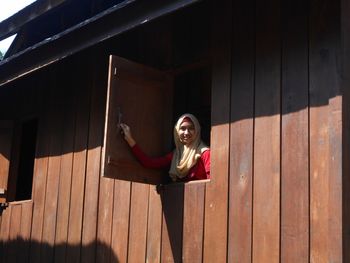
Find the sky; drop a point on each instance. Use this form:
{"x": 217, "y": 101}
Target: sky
{"x": 8, "y": 8}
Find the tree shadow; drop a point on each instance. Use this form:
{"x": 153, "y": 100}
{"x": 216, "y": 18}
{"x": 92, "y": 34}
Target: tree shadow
{"x": 20, "y": 250}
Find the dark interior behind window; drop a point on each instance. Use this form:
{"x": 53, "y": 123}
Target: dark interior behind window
{"x": 26, "y": 160}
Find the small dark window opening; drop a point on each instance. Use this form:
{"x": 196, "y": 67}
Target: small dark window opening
{"x": 26, "y": 160}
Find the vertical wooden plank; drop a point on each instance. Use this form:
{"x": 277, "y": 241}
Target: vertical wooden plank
{"x": 15, "y": 228}
{"x": 26, "y": 224}
{"x": 345, "y": 73}
{"x": 5, "y": 233}
{"x": 105, "y": 217}
{"x": 106, "y": 199}
{"x": 266, "y": 188}
{"x": 216, "y": 206}
{"x": 172, "y": 197}
{"x": 40, "y": 172}
{"x": 120, "y": 224}
{"x": 138, "y": 222}
{"x": 55, "y": 130}
{"x": 64, "y": 188}
{"x": 325, "y": 134}
{"x": 335, "y": 197}
{"x": 1, "y": 241}
{"x": 79, "y": 162}
{"x": 241, "y": 133}
{"x": 154, "y": 226}
{"x": 6, "y": 130}
{"x": 193, "y": 222}
{"x": 97, "y": 112}
{"x": 294, "y": 134}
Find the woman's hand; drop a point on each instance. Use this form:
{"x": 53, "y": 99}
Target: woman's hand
{"x": 127, "y": 134}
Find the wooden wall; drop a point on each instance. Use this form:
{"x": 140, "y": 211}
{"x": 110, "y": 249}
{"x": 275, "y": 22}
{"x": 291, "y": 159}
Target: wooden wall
{"x": 345, "y": 74}
{"x": 276, "y": 142}
{"x": 285, "y": 155}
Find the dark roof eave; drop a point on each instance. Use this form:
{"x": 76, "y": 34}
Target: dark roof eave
{"x": 113, "y": 21}
{"x": 14, "y": 23}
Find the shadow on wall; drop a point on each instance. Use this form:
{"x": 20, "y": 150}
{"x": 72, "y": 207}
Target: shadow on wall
{"x": 20, "y": 250}
{"x": 172, "y": 197}
{"x": 183, "y": 221}
{"x": 269, "y": 73}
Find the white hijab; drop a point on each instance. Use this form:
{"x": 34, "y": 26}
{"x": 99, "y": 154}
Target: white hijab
{"x": 186, "y": 156}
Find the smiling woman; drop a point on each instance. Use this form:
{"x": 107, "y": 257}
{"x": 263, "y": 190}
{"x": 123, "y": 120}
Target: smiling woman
{"x": 191, "y": 158}
{"x": 186, "y": 131}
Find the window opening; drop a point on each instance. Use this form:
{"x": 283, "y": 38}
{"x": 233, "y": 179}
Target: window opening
{"x": 26, "y": 160}
{"x": 192, "y": 94}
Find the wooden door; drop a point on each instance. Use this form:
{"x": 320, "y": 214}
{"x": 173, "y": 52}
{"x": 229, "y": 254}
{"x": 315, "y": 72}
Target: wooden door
{"x": 141, "y": 97}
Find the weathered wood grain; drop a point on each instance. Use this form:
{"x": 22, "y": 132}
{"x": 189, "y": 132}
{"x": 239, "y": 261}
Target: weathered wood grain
{"x": 216, "y": 206}
{"x": 193, "y": 222}
{"x": 325, "y": 134}
{"x": 40, "y": 171}
{"x": 97, "y": 112}
{"x": 79, "y": 161}
{"x": 105, "y": 217}
{"x": 56, "y": 125}
{"x": 64, "y": 190}
{"x": 15, "y": 228}
{"x": 154, "y": 226}
{"x": 345, "y": 83}
{"x": 295, "y": 134}
{"x": 241, "y": 133}
{"x": 5, "y": 234}
{"x": 138, "y": 222}
{"x": 266, "y": 191}
{"x": 120, "y": 223}
{"x": 26, "y": 226}
{"x": 172, "y": 227}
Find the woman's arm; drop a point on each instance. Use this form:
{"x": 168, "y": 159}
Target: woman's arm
{"x": 145, "y": 160}
{"x": 127, "y": 134}
{"x": 151, "y": 162}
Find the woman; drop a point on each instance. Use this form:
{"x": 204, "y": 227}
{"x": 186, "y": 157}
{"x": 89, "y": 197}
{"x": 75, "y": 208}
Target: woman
{"x": 191, "y": 158}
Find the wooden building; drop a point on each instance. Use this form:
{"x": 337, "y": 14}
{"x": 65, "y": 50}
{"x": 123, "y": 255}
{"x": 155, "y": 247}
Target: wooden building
{"x": 267, "y": 79}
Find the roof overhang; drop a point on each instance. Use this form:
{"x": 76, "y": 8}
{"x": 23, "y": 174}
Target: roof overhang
{"x": 113, "y": 21}
{"x": 13, "y": 24}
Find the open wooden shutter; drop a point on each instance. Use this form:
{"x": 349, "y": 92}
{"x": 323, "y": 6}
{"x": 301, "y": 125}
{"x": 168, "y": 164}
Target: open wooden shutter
{"x": 6, "y": 130}
{"x": 143, "y": 97}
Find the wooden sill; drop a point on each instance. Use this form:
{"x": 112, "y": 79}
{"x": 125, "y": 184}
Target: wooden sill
{"x": 198, "y": 181}
{"x": 181, "y": 184}
{"x": 20, "y": 202}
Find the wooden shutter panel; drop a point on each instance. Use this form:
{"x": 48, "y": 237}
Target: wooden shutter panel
{"x": 6, "y": 130}
{"x": 144, "y": 98}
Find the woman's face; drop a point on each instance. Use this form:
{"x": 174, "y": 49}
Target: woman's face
{"x": 187, "y": 132}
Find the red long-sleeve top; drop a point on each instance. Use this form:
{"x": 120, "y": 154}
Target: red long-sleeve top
{"x": 200, "y": 171}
